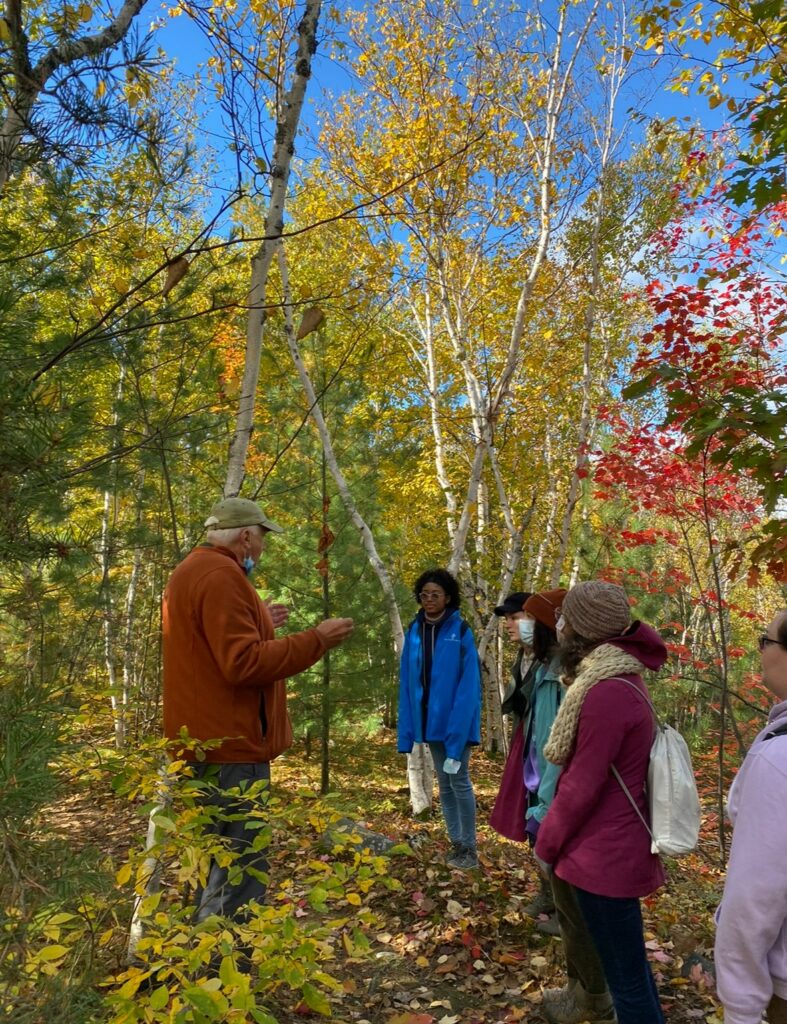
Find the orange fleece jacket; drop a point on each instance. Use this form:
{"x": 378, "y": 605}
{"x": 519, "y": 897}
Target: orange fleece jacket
{"x": 223, "y": 670}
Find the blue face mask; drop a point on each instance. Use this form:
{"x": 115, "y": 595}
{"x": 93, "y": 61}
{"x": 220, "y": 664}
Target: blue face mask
{"x": 248, "y": 565}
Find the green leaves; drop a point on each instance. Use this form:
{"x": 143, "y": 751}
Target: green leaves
{"x": 315, "y": 1000}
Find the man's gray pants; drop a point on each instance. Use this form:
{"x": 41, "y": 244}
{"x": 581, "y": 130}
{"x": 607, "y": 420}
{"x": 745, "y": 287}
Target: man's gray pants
{"x": 219, "y": 896}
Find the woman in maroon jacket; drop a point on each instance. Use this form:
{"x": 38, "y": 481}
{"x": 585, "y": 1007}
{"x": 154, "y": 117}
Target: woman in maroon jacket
{"x": 592, "y": 838}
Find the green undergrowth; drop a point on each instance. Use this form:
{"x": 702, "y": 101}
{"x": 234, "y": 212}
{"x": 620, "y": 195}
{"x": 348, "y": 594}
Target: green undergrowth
{"x": 343, "y": 933}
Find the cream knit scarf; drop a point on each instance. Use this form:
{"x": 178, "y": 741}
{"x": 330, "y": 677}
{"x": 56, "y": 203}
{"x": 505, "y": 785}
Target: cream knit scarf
{"x": 601, "y": 663}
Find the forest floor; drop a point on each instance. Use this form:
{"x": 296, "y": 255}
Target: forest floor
{"x": 447, "y": 947}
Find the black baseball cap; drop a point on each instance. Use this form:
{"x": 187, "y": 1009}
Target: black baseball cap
{"x": 513, "y": 603}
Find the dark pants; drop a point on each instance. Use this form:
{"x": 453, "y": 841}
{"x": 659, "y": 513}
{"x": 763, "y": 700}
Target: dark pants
{"x": 582, "y": 960}
{"x": 616, "y": 927}
{"x": 777, "y": 1011}
{"x": 229, "y": 890}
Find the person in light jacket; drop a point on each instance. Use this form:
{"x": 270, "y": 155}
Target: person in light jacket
{"x": 751, "y": 936}
{"x": 440, "y": 704}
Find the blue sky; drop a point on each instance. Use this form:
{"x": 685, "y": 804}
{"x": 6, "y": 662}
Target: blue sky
{"x": 183, "y": 41}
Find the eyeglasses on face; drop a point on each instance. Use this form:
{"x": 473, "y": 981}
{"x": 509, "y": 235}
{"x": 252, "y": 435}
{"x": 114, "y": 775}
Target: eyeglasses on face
{"x": 764, "y": 640}
{"x": 431, "y": 595}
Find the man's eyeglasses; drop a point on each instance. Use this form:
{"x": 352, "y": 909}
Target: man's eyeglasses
{"x": 763, "y": 642}
{"x": 431, "y": 595}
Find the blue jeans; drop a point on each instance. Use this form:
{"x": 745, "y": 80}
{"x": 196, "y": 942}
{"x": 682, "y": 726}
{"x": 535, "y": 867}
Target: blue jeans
{"x": 615, "y": 925}
{"x": 457, "y": 798}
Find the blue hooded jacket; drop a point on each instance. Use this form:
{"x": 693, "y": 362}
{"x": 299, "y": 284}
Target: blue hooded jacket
{"x": 454, "y": 710}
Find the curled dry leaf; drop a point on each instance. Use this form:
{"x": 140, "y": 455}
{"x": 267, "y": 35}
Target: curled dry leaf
{"x": 310, "y": 321}
{"x": 176, "y": 271}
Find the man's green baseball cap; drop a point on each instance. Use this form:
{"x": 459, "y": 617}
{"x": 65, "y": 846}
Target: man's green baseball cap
{"x": 233, "y": 512}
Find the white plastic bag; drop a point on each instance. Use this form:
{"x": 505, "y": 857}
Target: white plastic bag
{"x": 673, "y": 801}
{"x": 672, "y": 794}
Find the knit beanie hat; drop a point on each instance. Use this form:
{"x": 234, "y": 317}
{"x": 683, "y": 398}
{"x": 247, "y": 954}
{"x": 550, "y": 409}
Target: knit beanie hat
{"x": 545, "y": 606}
{"x": 597, "y": 610}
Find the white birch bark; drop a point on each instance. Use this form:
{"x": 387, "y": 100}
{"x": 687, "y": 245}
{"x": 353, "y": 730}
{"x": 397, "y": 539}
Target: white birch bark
{"x": 559, "y": 81}
{"x": 497, "y": 738}
{"x": 592, "y": 300}
{"x": 286, "y": 130}
{"x": 367, "y": 538}
{"x": 118, "y": 697}
{"x": 420, "y": 778}
{"x": 115, "y": 698}
{"x": 486, "y": 412}
{"x": 428, "y": 364}
{"x": 420, "y": 771}
{"x": 434, "y": 411}
{"x": 129, "y": 671}
{"x": 29, "y": 81}
{"x": 151, "y": 867}
{"x": 463, "y": 526}
{"x": 553, "y": 500}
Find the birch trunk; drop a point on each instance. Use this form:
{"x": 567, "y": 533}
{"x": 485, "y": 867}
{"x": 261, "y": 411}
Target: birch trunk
{"x": 330, "y": 457}
{"x": 286, "y": 130}
{"x": 129, "y": 654}
{"x": 580, "y": 466}
{"x": 488, "y": 652}
{"x": 428, "y": 365}
{"x": 613, "y": 80}
{"x": 151, "y": 867}
{"x": 117, "y": 699}
{"x": 553, "y": 499}
{"x": 485, "y": 413}
{"x": 434, "y": 410}
{"x": 556, "y": 97}
{"x": 420, "y": 771}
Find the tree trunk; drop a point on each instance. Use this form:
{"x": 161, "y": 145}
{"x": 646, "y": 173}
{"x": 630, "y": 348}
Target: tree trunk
{"x": 325, "y": 766}
{"x": 553, "y": 497}
{"x": 116, "y": 699}
{"x": 327, "y": 446}
{"x": 286, "y": 130}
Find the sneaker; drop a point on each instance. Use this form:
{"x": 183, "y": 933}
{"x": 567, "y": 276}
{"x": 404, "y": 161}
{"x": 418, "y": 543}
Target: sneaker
{"x": 542, "y": 903}
{"x": 465, "y": 860}
{"x": 549, "y": 927}
{"x": 572, "y": 1005}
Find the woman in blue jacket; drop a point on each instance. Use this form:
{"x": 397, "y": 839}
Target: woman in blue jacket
{"x": 440, "y": 703}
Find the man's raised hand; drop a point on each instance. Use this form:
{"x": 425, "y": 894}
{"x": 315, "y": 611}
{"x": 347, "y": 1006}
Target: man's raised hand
{"x": 334, "y": 631}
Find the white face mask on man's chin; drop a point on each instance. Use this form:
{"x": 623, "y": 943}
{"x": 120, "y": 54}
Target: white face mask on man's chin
{"x": 559, "y": 627}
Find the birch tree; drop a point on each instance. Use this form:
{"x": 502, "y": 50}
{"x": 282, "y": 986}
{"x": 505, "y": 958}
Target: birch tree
{"x": 453, "y": 223}
{"x": 288, "y": 117}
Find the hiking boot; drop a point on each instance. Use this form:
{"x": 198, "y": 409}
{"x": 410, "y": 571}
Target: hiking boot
{"x": 549, "y": 927}
{"x": 456, "y": 849}
{"x": 573, "y": 1005}
{"x": 542, "y": 903}
{"x": 465, "y": 860}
